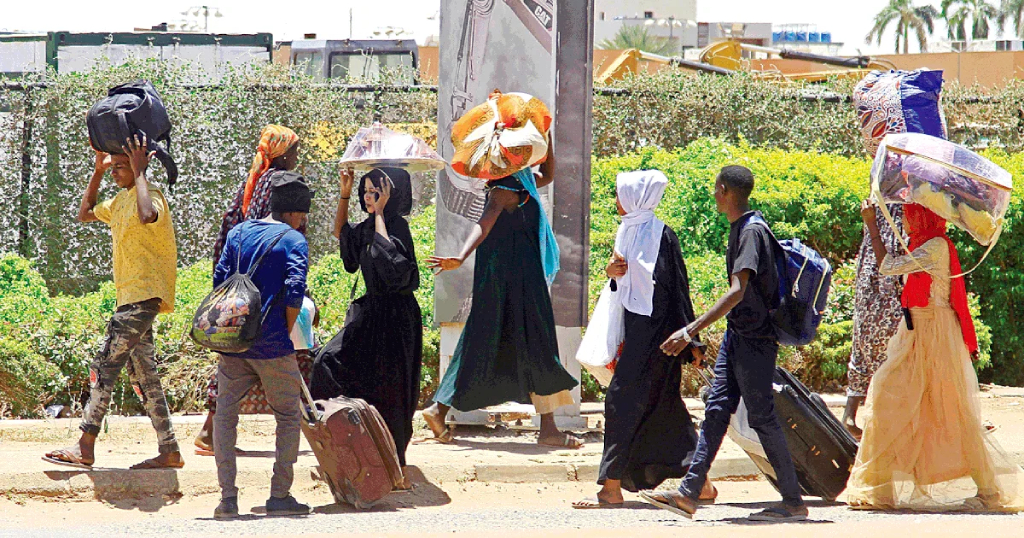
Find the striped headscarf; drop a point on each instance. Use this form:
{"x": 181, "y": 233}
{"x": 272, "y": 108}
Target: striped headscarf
{"x": 275, "y": 141}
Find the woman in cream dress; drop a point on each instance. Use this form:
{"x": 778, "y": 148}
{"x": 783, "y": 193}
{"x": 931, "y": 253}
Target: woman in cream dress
{"x": 924, "y": 446}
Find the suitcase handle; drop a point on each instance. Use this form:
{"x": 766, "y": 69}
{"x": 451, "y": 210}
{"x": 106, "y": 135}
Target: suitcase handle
{"x": 315, "y": 417}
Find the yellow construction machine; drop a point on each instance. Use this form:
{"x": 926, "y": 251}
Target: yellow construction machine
{"x": 727, "y": 57}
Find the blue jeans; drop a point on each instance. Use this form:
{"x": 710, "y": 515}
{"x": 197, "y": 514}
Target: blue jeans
{"x": 745, "y": 368}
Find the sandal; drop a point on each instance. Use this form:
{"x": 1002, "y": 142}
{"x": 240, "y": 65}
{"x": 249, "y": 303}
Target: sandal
{"x": 446, "y": 438}
{"x": 595, "y": 502}
{"x": 568, "y": 441}
{"x": 780, "y": 513}
{"x": 670, "y": 500}
{"x": 67, "y": 458}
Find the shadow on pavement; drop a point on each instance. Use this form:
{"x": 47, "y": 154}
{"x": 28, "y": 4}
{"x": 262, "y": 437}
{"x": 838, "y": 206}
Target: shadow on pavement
{"x": 144, "y": 490}
{"x": 422, "y": 495}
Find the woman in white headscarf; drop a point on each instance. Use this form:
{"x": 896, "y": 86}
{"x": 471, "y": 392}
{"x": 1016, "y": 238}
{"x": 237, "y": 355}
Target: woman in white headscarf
{"x": 649, "y": 436}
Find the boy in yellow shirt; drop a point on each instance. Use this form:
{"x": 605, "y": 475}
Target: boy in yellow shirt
{"x": 145, "y": 262}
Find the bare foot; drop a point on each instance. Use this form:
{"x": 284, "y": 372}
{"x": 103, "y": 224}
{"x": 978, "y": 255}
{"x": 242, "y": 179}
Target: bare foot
{"x": 604, "y": 499}
{"x": 432, "y": 416}
{"x": 708, "y": 493}
{"x": 172, "y": 460}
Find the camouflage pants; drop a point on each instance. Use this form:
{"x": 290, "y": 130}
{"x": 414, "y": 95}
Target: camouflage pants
{"x": 129, "y": 345}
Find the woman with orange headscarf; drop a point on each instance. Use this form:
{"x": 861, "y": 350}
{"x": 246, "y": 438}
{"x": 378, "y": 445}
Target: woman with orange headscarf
{"x": 924, "y": 446}
{"x": 278, "y": 149}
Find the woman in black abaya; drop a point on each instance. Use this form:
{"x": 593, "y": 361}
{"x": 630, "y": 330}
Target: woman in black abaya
{"x": 378, "y": 354}
{"x": 649, "y": 436}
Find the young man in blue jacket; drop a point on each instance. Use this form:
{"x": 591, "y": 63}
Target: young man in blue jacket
{"x": 746, "y": 361}
{"x": 281, "y": 279}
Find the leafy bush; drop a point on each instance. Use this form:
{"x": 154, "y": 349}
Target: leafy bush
{"x": 23, "y": 378}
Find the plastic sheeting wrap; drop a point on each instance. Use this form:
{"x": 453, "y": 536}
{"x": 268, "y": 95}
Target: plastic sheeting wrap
{"x": 377, "y": 146}
{"x": 957, "y": 184}
{"x": 898, "y": 102}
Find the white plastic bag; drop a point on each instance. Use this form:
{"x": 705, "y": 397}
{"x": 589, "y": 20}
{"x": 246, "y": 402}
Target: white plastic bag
{"x": 603, "y": 340}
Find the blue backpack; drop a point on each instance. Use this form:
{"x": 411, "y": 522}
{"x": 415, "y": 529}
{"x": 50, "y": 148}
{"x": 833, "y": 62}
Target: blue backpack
{"x": 804, "y": 280}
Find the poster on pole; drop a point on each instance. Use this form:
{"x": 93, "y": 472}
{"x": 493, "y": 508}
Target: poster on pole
{"x": 485, "y": 45}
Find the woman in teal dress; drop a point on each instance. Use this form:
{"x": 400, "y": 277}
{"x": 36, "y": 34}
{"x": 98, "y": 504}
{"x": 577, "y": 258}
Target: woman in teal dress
{"x": 508, "y": 350}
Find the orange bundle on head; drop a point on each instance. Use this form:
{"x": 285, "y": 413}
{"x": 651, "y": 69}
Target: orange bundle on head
{"x": 501, "y": 137}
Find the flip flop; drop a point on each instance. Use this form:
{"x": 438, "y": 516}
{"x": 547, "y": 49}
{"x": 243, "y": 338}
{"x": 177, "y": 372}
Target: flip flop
{"x": 569, "y": 441}
{"x": 595, "y": 503}
{"x": 445, "y": 438}
{"x": 670, "y": 506}
{"x": 67, "y": 459}
{"x": 776, "y": 513}
{"x": 152, "y": 464}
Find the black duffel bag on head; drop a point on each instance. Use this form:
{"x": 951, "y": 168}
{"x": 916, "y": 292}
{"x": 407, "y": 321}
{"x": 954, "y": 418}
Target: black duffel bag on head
{"x": 132, "y": 109}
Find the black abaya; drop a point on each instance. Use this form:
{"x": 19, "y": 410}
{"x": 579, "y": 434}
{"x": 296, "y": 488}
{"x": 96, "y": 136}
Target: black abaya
{"x": 378, "y": 354}
{"x": 649, "y": 435}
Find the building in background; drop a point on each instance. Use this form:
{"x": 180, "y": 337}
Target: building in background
{"x": 68, "y": 52}
{"x": 805, "y": 38}
{"x": 672, "y": 19}
{"x": 751, "y": 33}
{"x": 977, "y": 45}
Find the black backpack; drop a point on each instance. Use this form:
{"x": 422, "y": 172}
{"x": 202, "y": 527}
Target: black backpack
{"x": 132, "y": 109}
{"x": 229, "y": 319}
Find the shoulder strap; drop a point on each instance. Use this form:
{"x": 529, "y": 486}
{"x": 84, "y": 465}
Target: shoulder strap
{"x": 256, "y": 264}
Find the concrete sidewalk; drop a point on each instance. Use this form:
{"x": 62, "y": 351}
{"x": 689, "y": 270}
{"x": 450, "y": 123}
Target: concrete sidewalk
{"x": 484, "y": 454}
{"x": 479, "y": 454}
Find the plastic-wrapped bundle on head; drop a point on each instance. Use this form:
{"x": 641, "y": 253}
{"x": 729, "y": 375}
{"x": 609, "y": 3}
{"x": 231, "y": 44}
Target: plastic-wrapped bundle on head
{"x": 899, "y": 102}
{"x": 957, "y": 184}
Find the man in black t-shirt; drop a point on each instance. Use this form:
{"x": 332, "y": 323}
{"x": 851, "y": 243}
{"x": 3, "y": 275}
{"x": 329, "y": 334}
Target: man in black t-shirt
{"x": 746, "y": 360}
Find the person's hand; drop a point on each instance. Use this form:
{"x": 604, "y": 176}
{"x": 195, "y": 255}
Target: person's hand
{"x": 975, "y": 356}
{"x": 616, "y": 267}
{"x": 347, "y": 176}
{"x": 868, "y": 214}
{"x": 103, "y": 162}
{"x": 138, "y": 154}
{"x": 675, "y": 344}
{"x": 698, "y": 357}
{"x": 439, "y": 264}
{"x": 383, "y": 195}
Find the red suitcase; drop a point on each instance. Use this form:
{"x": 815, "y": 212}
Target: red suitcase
{"x": 356, "y": 452}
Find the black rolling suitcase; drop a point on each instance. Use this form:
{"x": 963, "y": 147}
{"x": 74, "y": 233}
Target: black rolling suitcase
{"x": 823, "y": 451}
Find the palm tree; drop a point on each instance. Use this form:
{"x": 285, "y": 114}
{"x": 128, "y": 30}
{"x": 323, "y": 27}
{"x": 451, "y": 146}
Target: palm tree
{"x": 979, "y": 12}
{"x": 907, "y": 16}
{"x": 1012, "y": 10}
{"x": 638, "y": 37}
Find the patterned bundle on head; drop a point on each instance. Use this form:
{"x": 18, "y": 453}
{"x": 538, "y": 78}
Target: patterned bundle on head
{"x": 898, "y": 102}
{"x": 501, "y": 137}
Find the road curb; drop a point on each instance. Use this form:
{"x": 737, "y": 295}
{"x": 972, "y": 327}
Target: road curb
{"x": 120, "y": 484}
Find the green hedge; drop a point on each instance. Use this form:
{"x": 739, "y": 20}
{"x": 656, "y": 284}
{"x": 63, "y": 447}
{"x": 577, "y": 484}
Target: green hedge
{"x": 813, "y": 196}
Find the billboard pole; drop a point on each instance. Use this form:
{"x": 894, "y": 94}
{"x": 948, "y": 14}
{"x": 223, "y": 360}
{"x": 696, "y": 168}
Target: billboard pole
{"x": 571, "y": 141}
